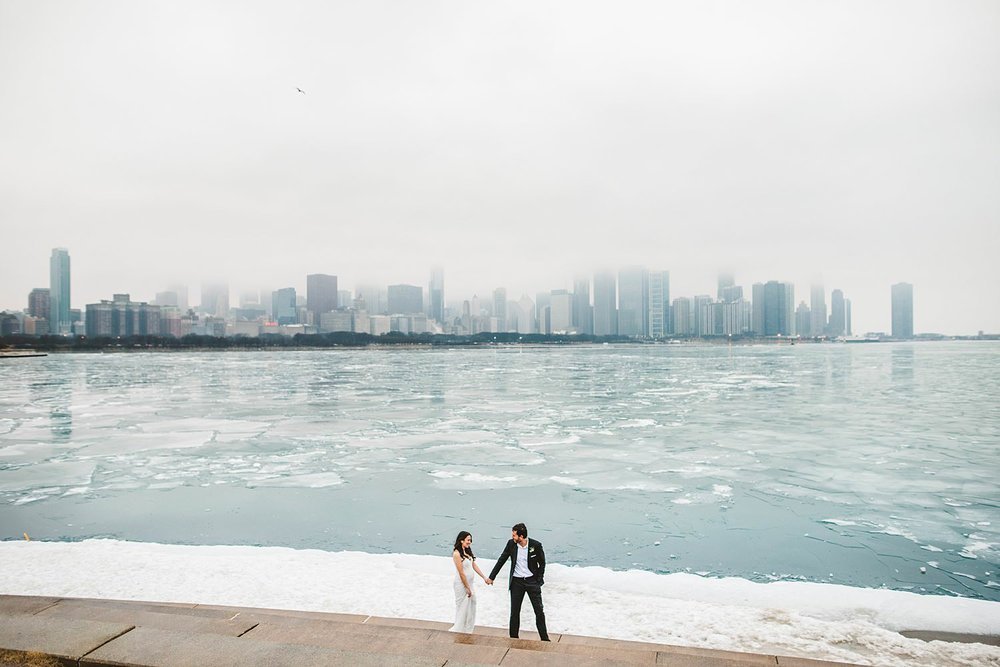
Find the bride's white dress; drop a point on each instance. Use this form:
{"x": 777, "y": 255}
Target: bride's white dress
{"x": 465, "y": 607}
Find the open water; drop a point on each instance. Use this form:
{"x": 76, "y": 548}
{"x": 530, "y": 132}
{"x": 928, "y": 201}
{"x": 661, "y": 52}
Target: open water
{"x": 874, "y": 465}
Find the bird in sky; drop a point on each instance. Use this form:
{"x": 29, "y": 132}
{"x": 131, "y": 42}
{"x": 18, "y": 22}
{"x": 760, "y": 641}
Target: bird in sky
{"x": 300, "y": 90}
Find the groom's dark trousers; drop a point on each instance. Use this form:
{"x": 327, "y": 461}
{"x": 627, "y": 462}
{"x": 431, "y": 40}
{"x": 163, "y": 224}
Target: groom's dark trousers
{"x": 518, "y": 587}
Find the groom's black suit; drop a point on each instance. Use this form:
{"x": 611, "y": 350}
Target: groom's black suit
{"x": 520, "y": 585}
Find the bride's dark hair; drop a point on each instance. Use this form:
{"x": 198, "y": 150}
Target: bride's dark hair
{"x": 462, "y": 551}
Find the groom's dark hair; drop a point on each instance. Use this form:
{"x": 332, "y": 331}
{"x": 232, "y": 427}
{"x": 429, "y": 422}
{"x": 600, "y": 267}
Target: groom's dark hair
{"x": 520, "y": 529}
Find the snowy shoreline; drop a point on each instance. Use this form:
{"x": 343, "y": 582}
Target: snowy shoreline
{"x": 789, "y": 618}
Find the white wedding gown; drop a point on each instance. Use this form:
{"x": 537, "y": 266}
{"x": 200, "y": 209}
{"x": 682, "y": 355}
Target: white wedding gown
{"x": 465, "y": 607}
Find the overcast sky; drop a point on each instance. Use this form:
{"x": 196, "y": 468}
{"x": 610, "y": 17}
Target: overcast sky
{"x": 514, "y": 144}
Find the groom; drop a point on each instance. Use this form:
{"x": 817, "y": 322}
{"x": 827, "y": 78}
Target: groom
{"x": 527, "y": 574}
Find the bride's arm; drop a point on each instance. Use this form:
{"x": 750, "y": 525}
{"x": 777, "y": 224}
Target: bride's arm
{"x": 478, "y": 571}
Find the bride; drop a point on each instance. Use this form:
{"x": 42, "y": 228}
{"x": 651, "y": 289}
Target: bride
{"x": 465, "y": 602}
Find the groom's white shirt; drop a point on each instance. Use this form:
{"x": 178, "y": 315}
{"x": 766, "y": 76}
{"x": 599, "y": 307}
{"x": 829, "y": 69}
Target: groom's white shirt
{"x": 521, "y": 562}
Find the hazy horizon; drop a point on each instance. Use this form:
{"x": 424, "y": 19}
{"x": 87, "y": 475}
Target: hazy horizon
{"x": 853, "y": 143}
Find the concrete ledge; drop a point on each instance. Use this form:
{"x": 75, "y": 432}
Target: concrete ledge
{"x": 62, "y": 638}
{"x": 119, "y": 632}
{"x": 153, "y": 648}
{"x": 25, "y": 604}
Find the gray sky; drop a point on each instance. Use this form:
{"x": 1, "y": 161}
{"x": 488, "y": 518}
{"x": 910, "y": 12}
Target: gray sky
{"x": 514, "y": 144}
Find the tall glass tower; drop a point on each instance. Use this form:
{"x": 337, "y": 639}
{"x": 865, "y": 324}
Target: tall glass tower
{"x": 59, "y": 319}
{"x": 435, "y": 294}
{"x": 902, "y": 310}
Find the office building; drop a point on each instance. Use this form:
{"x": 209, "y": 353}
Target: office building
{"x": 902, "y": 311}
{"x": 838, "y": 315}
{"x": 435, "y": 295}
{"x": 730, "y": 293}
{"x": 726, "y": 280}
{"x": 561, "y": 312}
{"x": 283, "y": 307}
{"x": 523, "y": 319}
{"x": 500, "y": 308}
{"x": 60, "y": 322}
{"x": 757, "y": 309}
{"x": 215, "y": 299}
{"x": 803, "y": 320}
{"x": 605, "y": 304}
{"x": 405, "y": 299}
{"x": 683, "y": 321}
{"x": 633, "y": 301}
{"x": 40, "y": 303}
{"x": 779, "y": 309}
{"x": 817, "y": 311}
{"x": 583, "y": 312}
{"x": 122, "y": 317}
{"x": 703, "y": 315}
{"x": 321, "y": 294}
{"x": 658, "y": 321}
{"x": 735, "y": 317}
{"x": 375, "y": 299}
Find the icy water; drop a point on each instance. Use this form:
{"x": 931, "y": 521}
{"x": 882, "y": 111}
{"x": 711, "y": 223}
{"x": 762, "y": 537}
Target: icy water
{"x": 866, "y": 465}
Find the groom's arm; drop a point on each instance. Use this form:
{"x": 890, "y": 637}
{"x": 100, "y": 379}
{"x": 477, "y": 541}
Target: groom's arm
{"x": 541, "y": 565}
{"x": 503, "y": 559}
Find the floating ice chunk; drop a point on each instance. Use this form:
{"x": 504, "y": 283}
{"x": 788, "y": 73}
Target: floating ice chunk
{"x": 722, "y": 490}
{"x": 839, "y": 522}
{"x": 316, "y": 480}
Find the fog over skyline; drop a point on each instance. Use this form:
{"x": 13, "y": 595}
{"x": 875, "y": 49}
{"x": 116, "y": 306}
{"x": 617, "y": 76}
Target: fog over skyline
{"x": 514, "y": 145}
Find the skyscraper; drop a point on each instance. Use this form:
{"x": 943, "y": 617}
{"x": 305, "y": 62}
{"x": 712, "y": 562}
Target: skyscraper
{"x": 40, "y": 302}
{"x": 838, "y": 314}
{"x": 525, "y": 313}
{"x": 59, "y": 292}
{"x": 659, "y": 304}
{"x": 683, "y": 324}
{"x": 902, "y": 311}
{"x": 321, "y": 294}
{"x": 803, "y": 319}
{"x": 376, "y": 301}
{"x": 500, "y": 308}
{"x": 560, "y": 311}
{"x": 702, "y": 315}
{"x": 283, "y": 308}
{"x": 757, "y": 309}
{"x": 182, "y": 296}
{"x": 583, "y": 312}
{"x": 731, "y": 294}
{"x": 406, "y": 299}
{"x": 435, "y": 295}
{"x": 633, "y": 301}
{"x": 779, "y": 309}
{"x": 605, "y": 304}
{"x": 726, "y": 280}
{"x": 215, "y": 299}
{"x": 817, "y": 310}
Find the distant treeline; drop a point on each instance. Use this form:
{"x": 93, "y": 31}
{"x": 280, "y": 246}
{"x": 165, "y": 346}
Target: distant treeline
{"x": 269, "y": 341}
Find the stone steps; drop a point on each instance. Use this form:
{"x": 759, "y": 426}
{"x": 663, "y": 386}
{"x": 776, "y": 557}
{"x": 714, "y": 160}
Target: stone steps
{"x": 76, "y": 631}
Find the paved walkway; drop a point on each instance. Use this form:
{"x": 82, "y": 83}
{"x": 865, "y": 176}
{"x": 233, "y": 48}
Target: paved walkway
{"x": 74, "y": 631}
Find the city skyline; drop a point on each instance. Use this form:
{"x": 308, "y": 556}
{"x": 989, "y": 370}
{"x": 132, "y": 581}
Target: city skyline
{"x": 630, "y": 317}
{"x": 515, "y": 148}
{"x": 635, "y": 302}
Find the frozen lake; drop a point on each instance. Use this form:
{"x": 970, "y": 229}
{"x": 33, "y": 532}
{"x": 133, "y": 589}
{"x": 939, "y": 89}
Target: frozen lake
{"x": 862, "y": 465}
